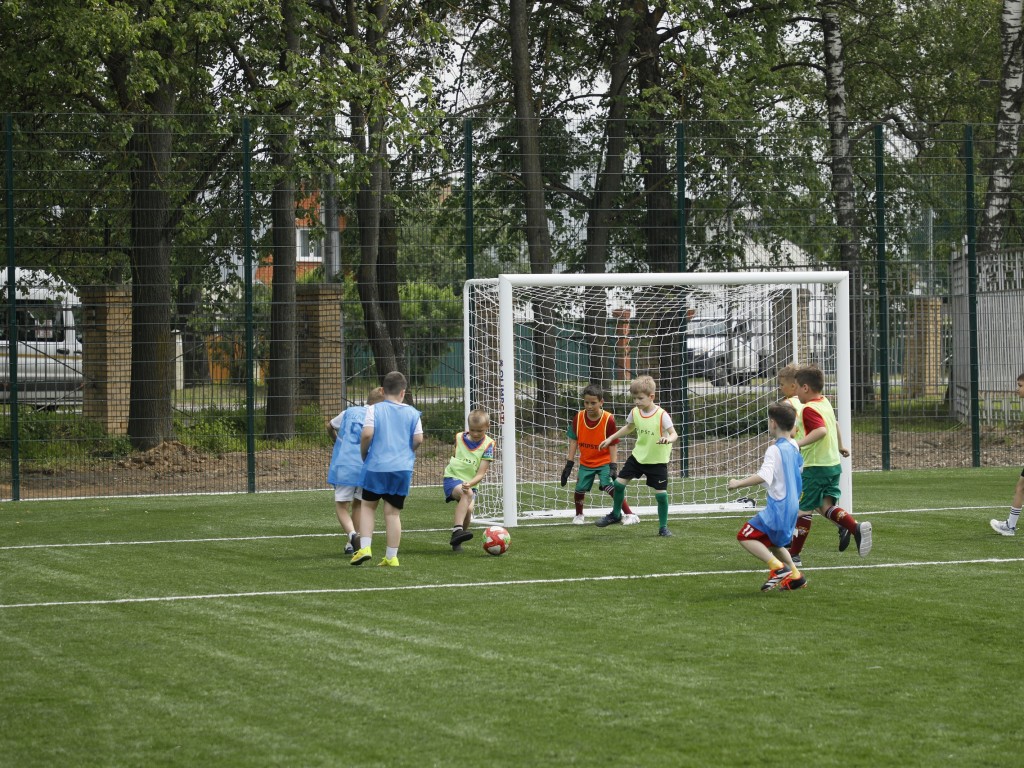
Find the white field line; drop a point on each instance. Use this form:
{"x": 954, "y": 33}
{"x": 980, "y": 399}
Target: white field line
{"x": 683, "y": 518}
{"x": 491, "y": 584}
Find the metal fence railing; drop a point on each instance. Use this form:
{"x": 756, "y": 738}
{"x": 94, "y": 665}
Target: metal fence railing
{"x": 191, "y": 309}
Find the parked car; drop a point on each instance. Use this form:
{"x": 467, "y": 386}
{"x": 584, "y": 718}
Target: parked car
{"x": 49, "y": 352}
{"x": 725, "y": 350}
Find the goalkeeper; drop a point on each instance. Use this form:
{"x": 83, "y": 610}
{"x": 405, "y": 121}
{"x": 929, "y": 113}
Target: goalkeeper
{"x": 586, "y": 431}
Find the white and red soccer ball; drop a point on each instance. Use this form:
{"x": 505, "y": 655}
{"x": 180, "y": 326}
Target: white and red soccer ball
{"x": 496, "y": 540}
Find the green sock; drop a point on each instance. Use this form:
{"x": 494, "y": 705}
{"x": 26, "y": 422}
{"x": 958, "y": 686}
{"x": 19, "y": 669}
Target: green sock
{"x": 617, "y": 496}
{"x": 662, "y": 499}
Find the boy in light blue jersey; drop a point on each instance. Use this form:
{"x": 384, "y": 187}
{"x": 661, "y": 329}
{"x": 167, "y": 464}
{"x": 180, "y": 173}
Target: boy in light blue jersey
{"x": 770, "y": 531}
{"x": 391, "y": 434}
{"x": 346, "y": 430}
{"x": 471, "y": 458}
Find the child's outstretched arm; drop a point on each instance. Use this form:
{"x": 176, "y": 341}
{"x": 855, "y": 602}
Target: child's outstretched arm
{"x": 621, "y": 432}
{"x": 746, "y": 482}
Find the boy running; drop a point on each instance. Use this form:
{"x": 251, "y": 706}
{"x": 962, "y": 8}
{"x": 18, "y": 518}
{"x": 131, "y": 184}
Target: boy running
{"x": 592, "y": 425}
{"x": 654, "y": 437}
{"x": 821, "y": 447}
{"x": 767, "y": 535}
{"x": 1009, "y": 527}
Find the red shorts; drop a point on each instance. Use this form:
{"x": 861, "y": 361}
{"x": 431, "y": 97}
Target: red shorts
{"x": 750, "y": 533}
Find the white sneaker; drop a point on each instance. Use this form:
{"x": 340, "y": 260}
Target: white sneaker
{"x": 630, "y": 519}
{"x": 579, "y": 520}
{"x": 1000, "y": 527}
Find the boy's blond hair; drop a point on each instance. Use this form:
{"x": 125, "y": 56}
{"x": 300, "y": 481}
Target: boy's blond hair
{"x": 375, "y": 396}
{"x": 643, "y": 385}
{"x": 788, "y": 372}
{"x": 478, "y": 418}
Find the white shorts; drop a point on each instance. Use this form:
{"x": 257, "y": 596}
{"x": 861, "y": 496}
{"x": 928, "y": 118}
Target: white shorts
{"x": 347, "y": 493}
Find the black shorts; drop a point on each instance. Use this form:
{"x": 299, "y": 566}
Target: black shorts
{"x": 656, "y": 474}
{"x": 398, "y": 502}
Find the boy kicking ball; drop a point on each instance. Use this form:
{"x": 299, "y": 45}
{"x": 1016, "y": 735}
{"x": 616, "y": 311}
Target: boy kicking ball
{"x": 768, "y": 533}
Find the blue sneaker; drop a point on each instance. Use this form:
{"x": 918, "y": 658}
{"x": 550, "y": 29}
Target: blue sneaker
{"x": 664, "y": 531}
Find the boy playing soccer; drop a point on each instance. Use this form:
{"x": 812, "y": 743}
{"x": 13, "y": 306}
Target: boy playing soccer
{"x": 767, "y": 535}
{"x": 1009, "y": 527}
{"x": 473, "y": 454}
{"x": 592, "y": 425}
{"x": 821, "y": 447}
{"x": 391, "y": 434}
{"x": 346, "y": 465}
{"x": 654, "y": 437}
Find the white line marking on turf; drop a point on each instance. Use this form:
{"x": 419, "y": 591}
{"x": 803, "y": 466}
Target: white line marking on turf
{"x": 507, "y": 583}
{"x": 685, "y": 518}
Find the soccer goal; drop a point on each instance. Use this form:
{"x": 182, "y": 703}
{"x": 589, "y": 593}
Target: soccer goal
{"x": 712, "y": 342}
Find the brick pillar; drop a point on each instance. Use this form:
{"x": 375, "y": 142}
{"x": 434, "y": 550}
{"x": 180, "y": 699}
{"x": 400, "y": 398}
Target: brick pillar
{"x": 922, "y": 361}
{"x": 107, "y": 356}
{"x": 319, "y": 349}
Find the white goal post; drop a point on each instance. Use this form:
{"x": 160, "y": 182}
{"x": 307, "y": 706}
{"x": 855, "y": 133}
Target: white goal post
{"x": 712, "y": 341}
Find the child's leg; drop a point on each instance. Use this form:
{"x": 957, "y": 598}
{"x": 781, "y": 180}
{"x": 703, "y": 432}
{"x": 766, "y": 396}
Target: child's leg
{"x": 367, "y": 513}
{"x": 803, "y": 528}
{"x": 662, "y": 499}
{"x": 393, "y": 527}
{"x": 341, "y": 508}
{"x": 1018, "y": 499}
{"x": 618, "y": 495}
{"x": 783, "y": 554}
{"x": 577, "y": 498}
{"x": 610, "y": 490}
{"x": 837, "y": 514}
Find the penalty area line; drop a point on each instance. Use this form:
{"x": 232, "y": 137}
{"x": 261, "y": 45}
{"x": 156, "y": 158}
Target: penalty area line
{"x": 491, "y": 584}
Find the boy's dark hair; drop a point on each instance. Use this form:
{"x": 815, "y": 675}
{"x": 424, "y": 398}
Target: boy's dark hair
{"x": 394, "y": 383}
{"x": 594, "y": 390}
{"x": 783, "y": 414}
{"x": 1020, "y": 378}
{"x": 812, "y": 376}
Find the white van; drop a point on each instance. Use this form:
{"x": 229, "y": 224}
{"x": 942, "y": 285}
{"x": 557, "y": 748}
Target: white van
{"x": 49, "y": 351}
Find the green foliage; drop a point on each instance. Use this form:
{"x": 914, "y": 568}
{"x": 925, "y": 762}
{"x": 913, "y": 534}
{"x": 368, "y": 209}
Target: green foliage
{"x": 444, "y": 419}
{"x": 58, "y": 438}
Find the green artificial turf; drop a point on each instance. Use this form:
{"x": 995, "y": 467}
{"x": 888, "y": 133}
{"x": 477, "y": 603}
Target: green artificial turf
{"x": 244, "y": 638}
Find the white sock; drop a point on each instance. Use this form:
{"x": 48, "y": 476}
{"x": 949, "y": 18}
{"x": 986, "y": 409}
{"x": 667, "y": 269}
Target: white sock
{"x": 390, "y": 552}
{"x": 365, "y": 542}
{"x": 1011, "y": 521}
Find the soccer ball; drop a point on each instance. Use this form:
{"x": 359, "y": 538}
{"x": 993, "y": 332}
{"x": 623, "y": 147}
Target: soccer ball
{"x": 496, "y": 540}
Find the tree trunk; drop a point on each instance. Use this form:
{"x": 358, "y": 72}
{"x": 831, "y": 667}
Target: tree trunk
{"x": 1008, "y": 129}
{"x": 844, "y": 197}
{"x": 281, "y": 371}
{"x": 150, "y": 417}
{"x": 538, "y": 238}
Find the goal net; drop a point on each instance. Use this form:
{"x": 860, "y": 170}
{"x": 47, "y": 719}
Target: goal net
{"x": 712, "y": 342}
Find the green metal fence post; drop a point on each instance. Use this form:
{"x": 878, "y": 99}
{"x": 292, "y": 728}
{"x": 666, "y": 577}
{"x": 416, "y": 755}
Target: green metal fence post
{"x": 12, "y": 315}
{"x": 972, "y": 294}
{"x": 681, "y": 212}
{"x": 250, "y": 343}
{"x": 883, "y": 294}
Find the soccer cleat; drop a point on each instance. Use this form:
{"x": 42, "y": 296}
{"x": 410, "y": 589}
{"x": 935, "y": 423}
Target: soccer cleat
{"x": 863, "y": 538}
{"x": 361, "y": 556}
{"x": 775, "y": 578}
{"x": 352, "y": 543}
{"x": 798, "y": 583}
{"x": 460, "y": 536}
{"x": 630, "y": 519}
{"x": 607, "y": 520}
{"x": 664, "y": 531}
{"x": 456, "y": 547}
{"x": 1000, "y": 527}
{"x": 844, "y": 539}
{"x": 579, "y": 520}
{"x": 797, "y": 561}
{"x": 389, "y": 562}
{"x": 746, "y": 501}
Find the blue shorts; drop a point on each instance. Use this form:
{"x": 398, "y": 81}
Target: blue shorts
{"x": 450, "y": 484}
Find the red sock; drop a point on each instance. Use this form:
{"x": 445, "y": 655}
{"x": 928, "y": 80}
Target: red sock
{"x": 803, "y": 527}
{"x": 842, "y": 518}
{"x": 578, "y": 497}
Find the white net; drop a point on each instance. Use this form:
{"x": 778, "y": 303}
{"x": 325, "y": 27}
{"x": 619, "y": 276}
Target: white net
{"x": 712, "y": 348}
